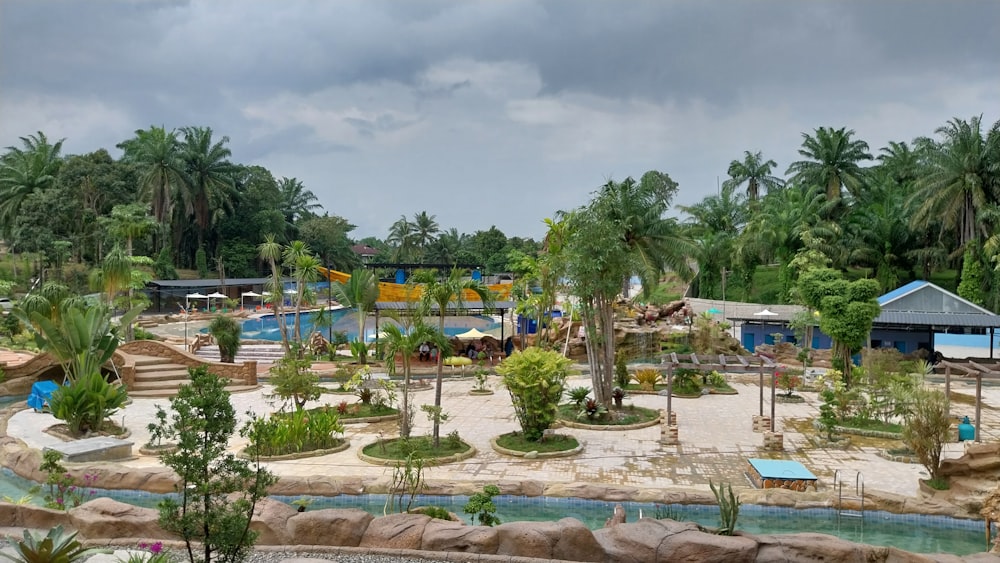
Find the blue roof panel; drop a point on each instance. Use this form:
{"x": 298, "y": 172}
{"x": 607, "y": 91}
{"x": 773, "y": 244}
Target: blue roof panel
{"x": 901, "y": 291}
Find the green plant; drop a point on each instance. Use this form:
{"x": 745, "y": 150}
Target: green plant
{"x": 729, "y": 507}
{"x": 716, "y": 379}
{"x": 151, "y": 553}
{"x": 787, "y": 381}
{"x": 621, "y": 370}
{"x": 618, "y": 394}
{"x": 217, "y": 492}
{"x": 54, "y": 547}
{"x": 535, "y": 379}
{"x": 482, "y": 508}
{"x": 685, "y": 381}
{"x": 293, "y": 432}
{"x": 647, "y": 378}
{"x": 293, "y": 379}
{"x": 157, "y": 429}
{"x": 453, "y": 440}
{"x": 302, "y": 503}
{"x": 63, "y": 491}
{"x": 928, "y": 428}
{"x": 85, "y": 404}
{"x": 226, "y": 332}
{"x": 592, "y": 410}
{"x": 407, "y": 482}
{"x": 827, "y": 414}
{"x": 577, "y": 395}
{"x": 436, "y": 512}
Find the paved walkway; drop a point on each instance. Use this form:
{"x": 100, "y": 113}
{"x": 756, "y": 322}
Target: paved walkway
{"x": 715, "y": 434}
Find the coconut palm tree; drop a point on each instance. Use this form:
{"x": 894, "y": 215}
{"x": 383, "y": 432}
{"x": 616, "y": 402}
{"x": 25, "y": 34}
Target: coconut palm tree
{"x": 832, "y": 162}
{"x": 404, "y": 343}
{"x": 401, "y": 237}
{"x": 962, "y": 177}
{"x": 304, "y": 266}
{"x": 209, "y": 174}
{"x": 755, "y": 172}
{"x": 296, "y": 202}
{"x": 360, "y": 293}
{"x": 425, "y": 231}
{"x": 271, "y": 252}
{"x": 26, "y": 170}
{"x": 445, "y": 294}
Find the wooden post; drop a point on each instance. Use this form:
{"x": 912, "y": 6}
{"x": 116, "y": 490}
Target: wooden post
{"x": 773, "y": 376}
{"x": 670, "y": 387}
{"x": 947, "y": 382}
{"x": 761, "y": 373}
{"x": 979, "y": 403}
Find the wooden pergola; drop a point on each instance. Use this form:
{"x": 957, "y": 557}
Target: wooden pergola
{"x": 970, "y": 368}
{"x": 722, "y": 364}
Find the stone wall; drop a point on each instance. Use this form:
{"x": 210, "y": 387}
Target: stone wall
{"x": 241, "y": 374}
{"x": 105, "y": 521}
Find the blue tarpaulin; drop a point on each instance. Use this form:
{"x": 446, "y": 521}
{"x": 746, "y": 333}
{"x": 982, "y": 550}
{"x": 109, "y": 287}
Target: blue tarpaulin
{"x": 41, "y": 392}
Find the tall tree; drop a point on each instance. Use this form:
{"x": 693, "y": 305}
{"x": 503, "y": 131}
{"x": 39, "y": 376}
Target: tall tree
{"x": 271, "y": 252}
{"x": 401, "y": 239}
{"x": 832, "y": 162}
{"x": 962, "y": 178}
{"x": 209, "y": 177}
{"x": 715, "y": 225}
{"x": 157, "y": 152}
{"x": 449, "y": 294}
{"x": 425, "y": 231}
{"x": 755, "y": 172}
{"x": 296, "y": 203}
{"x": 25, "y": 170}
{"x": 304, "y": 267}
{"x": 360, "y": 293}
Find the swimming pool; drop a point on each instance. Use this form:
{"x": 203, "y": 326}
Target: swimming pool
{"x": 265, "y": 327}
{"x": 912, "y": 532}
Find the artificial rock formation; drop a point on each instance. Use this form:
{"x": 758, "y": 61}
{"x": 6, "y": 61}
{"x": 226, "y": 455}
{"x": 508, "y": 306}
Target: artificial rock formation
{"x": 105, "y": 521}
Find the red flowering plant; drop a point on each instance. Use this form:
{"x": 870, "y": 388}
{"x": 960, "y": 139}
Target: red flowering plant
{"x": 151, "y": 552}
{"x": 787, "y": 381}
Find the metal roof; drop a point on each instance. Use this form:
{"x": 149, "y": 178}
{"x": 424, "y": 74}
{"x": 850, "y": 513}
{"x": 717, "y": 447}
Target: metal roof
{"x": 403, "y": 305}
{"x": 231, "y": 282}
{"x": 902, "y": 290}
{"x": 898, "y": 318}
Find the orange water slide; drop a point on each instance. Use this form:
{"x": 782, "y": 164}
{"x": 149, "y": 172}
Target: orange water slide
{"x": 399, "y": 292}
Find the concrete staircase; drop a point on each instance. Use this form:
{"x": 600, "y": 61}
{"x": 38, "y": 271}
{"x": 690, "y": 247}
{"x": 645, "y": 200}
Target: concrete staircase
{"x": 158, "y": 377}
{"x": 261, "y": 353}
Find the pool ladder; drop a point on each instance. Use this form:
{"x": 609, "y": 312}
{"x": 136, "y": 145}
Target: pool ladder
{"x": 858, "y": 495}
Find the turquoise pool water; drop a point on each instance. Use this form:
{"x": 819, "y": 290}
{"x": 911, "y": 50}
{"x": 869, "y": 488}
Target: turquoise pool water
{"x": 345, "y": 320}
{"x": 917, "y": 533}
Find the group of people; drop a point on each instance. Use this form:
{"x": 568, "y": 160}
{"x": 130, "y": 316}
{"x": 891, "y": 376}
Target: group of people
{"x": 429, "y": 353}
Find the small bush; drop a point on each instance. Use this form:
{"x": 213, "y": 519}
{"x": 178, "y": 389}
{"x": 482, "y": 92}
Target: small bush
{"x": 299, "y": 431}
{"x": 647, "y": 378}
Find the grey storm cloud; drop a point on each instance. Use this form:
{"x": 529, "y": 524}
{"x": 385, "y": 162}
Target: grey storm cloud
{"x": 513, "y": 101}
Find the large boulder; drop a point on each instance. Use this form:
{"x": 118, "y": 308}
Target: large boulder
{"x": 270, "y": 520}
{"x": 568, "y": 539}
{"x": 107, "y": 518}
{"x": 396, "y": 531}
{"x": 651, "y": 541}
{"x": 823, "y": 547}
{"x": 29, "y": 516}
{"x": 443, "y": 535}
{"x": 332, "y": 526}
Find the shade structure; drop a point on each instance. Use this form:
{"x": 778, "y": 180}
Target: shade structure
{"x": 217, "y": 295}
{"x": 189, "y": 297}
{"x": 765, "y": 313}
{"x": 471, "y": 334}
{"x": 250, "y": 294}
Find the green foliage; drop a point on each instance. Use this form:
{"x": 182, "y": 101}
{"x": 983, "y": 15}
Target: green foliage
{"x": 482, "y": 508}
{"x": 201, "y": 262}
{"x": 621, "y": 371}
{"x": 226, "y": 332}
{"x": 592, "y": 410}
{"x": 647, "y": 378}
{"x": 85, "y": 404}
{"x": 163, "y": 268}
{"x": 407, "y": 483}
{"x": 729, "y": 507}
{"x": 577, "y": 395}
{"x": 973, "y": 276}
{"x": 54, "y": 547}
{"x": 294, "y": 379}
{"x": 535, "y": 379}
{"x": 685, "y": 381}
{"x": 928, "y": 428}
{"x": 436, "y": 512}
{"x": 81, "y": 339}
{"x": 298, "y": 431}
{"x": 827, "y": 413}
{"x": 217, "y": 492}
{"x": 787, "y": 381}
{"x": 63, "y": 490}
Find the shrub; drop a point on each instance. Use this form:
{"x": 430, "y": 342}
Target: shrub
{"x": 86, "y": 403}
{"x": 293, "y": 379}
{"x": 226, "y": 332}
{"x": 787, "y": 381}
{"x": 293, "y": 432}
{"x": 621, "y": 370}
{"x": 647, "y": 378}
{"x": 436, "y": 512}
{"x": 535, "y": 379}
{"x": 578, "y": 395}
{"x": 928, "y": 428}
{"x": 592, "y": 410}
{"x": 55, "y": 547}
{"x": 482, "y": 507}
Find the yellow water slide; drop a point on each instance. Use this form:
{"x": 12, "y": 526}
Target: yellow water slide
{"x": 399, "y": 292}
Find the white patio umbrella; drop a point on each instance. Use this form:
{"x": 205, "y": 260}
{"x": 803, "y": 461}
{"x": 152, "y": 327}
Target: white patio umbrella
{"x": 215, "y": 295}
{"x": 471, "y": 334}
{"x": 765, "y": 313}
{"x": 250, "y": 294}
{"x": 189, "y": 297}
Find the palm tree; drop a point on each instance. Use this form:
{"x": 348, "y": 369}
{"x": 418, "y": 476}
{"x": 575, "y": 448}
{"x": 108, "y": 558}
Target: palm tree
{"x": 360, "y": 293}
{"x": 832, "y": 159}
{"x": 962, "y": 178}
{"x": 304, "y": 266}
{"x": 877, "y": 230}
{"x": 450, "y": 293}
{"x": 162, "y": 171}
{"x": 271, "y": 252}
{"x": 405, "y": 343}
{"x": 755, "y": 172}
{"x": 401, "y": 238}
{"x": 715, "y": 224}
{"x": 26, "y": 170}
{"x": 296, "y": 202}
{"x": 445, "y": 249}
{"x": 425, "y": 230}
{"x": 209, "y": 174}
{"x": 129, "y": 221}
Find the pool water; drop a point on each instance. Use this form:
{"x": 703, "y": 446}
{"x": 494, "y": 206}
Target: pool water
{"x": 912, "y": 532}
{"x": 345, "y": 320}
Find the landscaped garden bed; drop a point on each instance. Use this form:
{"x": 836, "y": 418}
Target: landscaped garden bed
{"x": 548, "y": 446}
{"x": 395, "y": 450}
{"x": 625, "y": 418}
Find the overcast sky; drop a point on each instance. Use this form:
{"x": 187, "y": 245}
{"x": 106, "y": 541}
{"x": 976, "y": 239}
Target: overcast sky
{"x": 493, "y": 113}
